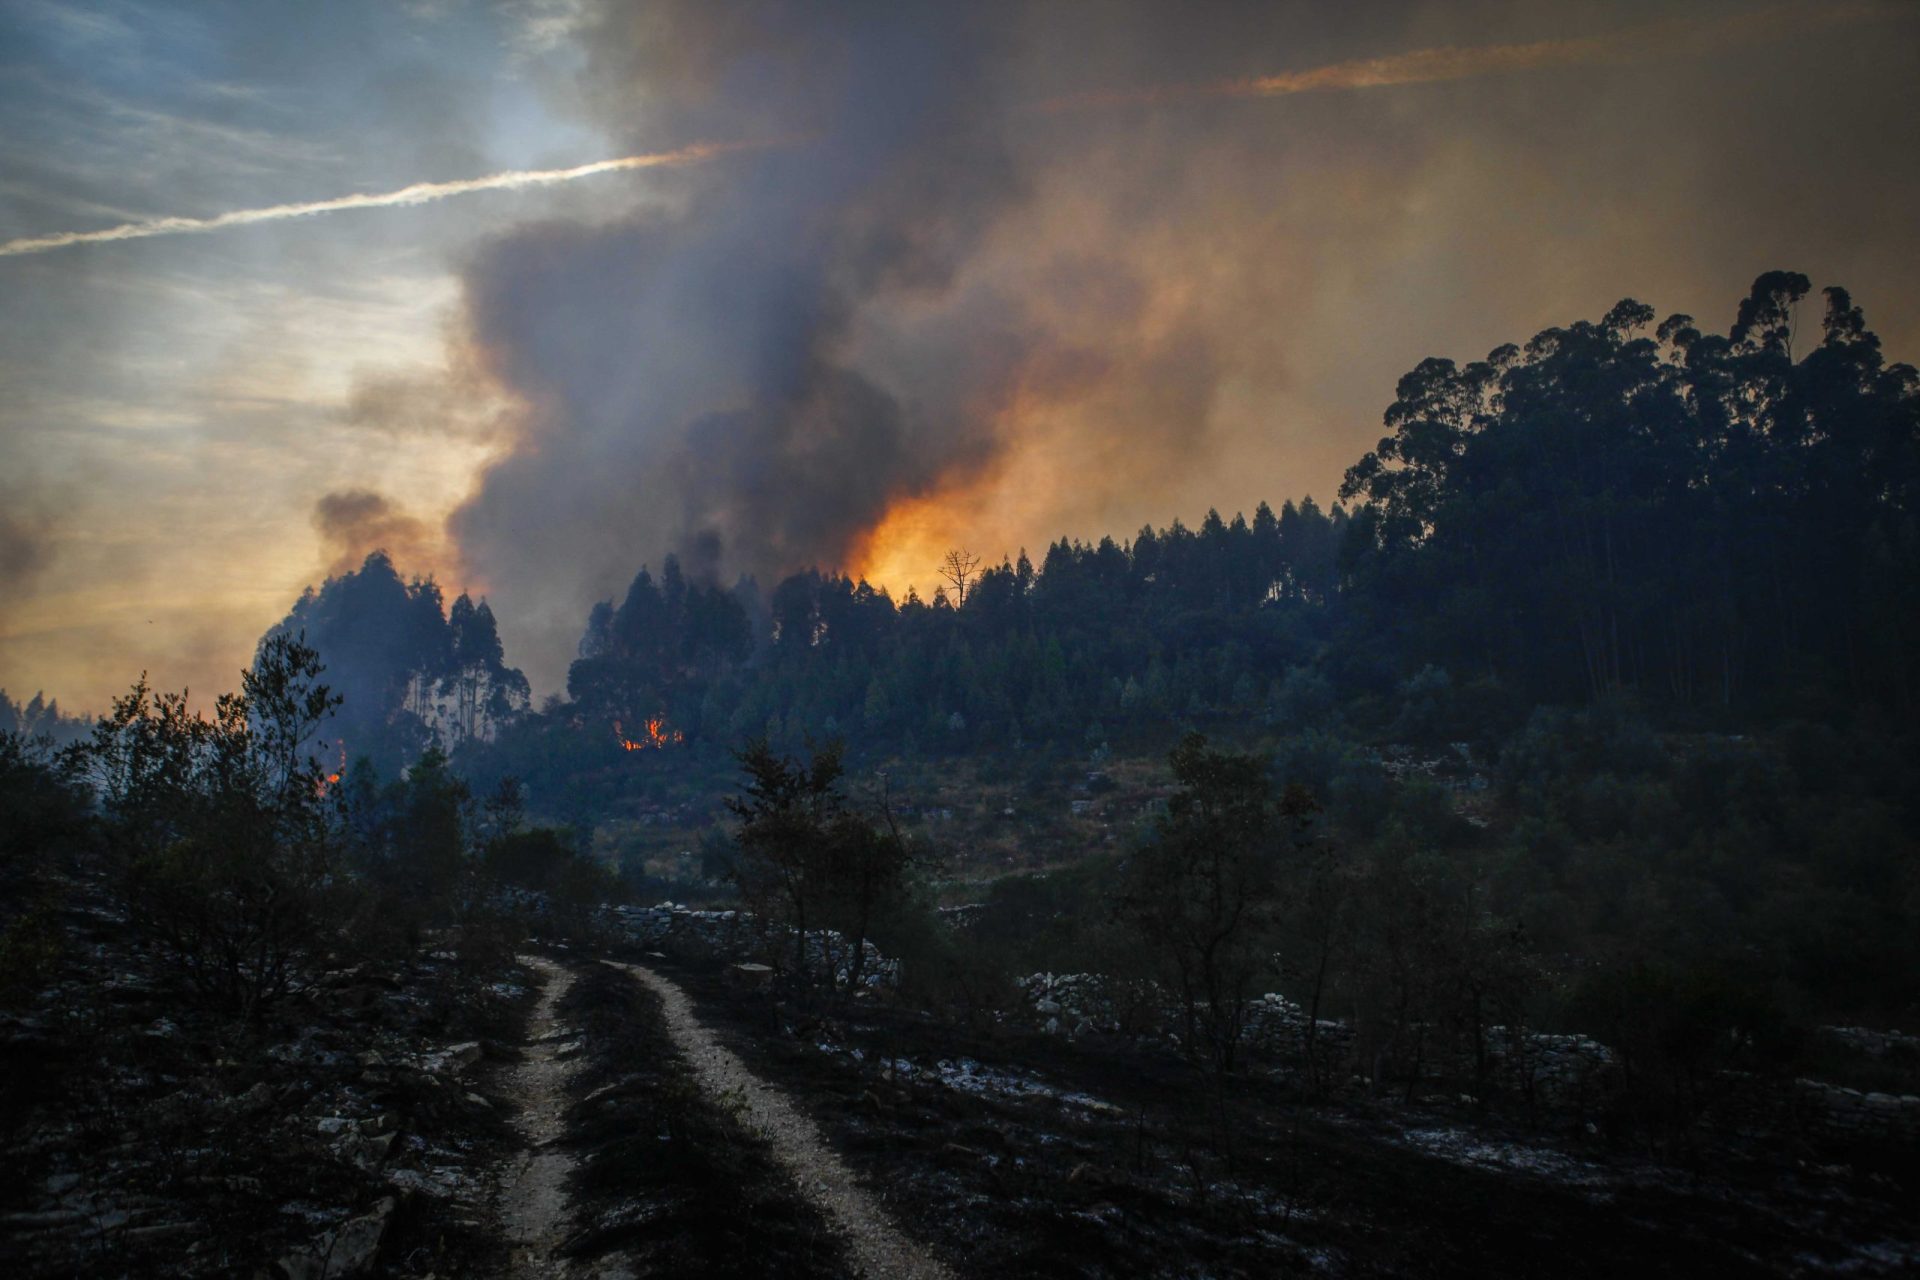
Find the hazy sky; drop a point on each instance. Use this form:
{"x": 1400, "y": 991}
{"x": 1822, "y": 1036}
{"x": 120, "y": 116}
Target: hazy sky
{"x": 990, "y": 274}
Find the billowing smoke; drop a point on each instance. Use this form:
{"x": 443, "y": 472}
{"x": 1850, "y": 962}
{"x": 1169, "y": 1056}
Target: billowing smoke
{"x": 355, "y": 523}
{"x": 696, "y": 378}
{"x": 954, "y": 312}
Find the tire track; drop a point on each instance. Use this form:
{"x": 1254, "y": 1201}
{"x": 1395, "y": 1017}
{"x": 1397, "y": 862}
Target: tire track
{"x": 533, "y": 1207}
{"x": 878, "y": 1247}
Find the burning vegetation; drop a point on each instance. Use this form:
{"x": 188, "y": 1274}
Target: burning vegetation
{"x": 654, "y": 735}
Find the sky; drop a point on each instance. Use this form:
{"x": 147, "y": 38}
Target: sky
{"x": 871, "y": 279}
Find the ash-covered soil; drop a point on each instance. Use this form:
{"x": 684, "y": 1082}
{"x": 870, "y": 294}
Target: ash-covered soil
{"x": 434, "y": 1115}
{"x": 1026, "y": 1155}
{"x": 352, "y": 1128}
{"x": 669, "y": 1181}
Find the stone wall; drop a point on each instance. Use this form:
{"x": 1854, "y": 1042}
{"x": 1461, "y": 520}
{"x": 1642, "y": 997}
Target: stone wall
{"x": 737, "y": 935}
{"x": 1848, "y": 1113}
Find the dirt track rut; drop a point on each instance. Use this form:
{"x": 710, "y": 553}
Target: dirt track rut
{"x": 878, "y": 1247}
{"x": 533, "y": 1198}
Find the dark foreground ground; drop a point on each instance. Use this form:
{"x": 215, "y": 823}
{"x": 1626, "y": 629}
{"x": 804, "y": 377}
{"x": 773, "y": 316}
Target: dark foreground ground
{"x": 667, "y": 1179}
{"x": 355, "y": 1126}
{"x": 362, "y": 1130}
{"x": 1022, "y": 1155}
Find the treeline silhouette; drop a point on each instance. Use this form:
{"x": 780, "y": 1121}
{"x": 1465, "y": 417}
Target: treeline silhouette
{"x": 1178, "y": 621}
{"x": 410, "y": 670}
{"x": 1701, "y": 519}
{"x": 1708, "y": 524}
{"x": 40, "y": 717}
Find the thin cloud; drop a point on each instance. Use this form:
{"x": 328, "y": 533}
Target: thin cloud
{"x": 1456, "y": 62}
{"x": 416, "y": 193}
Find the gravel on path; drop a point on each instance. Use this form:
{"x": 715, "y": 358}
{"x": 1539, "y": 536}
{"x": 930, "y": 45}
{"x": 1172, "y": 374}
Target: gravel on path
{"x": 878, "y": 1247}
{"x": 533, "y": 1196}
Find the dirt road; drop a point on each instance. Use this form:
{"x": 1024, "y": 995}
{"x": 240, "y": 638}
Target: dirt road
{"x": 878, "y": 1247}
{"x": 533, "y": 1201}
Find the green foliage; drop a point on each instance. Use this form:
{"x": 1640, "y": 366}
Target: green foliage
{"x": 224, "y": 853}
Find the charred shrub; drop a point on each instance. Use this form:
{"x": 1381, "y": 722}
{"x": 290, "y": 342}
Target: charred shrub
{"x": 224, "y": 858}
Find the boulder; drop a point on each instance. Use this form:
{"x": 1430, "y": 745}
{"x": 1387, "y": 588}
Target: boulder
{"x": 348, "y": 1250}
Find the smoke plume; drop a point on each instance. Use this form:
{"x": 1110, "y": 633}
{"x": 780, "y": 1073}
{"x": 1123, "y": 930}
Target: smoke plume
{"x": 971, "y": 310}
{"x": 701, "y": 379}
{"x": 354, "y": 523}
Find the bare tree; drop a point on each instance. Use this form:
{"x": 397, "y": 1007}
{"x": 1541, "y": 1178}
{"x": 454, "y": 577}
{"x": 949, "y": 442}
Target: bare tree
{"x": 960, "y": 568}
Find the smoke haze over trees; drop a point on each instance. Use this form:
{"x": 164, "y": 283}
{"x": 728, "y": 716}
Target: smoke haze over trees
{"x": 1720, "y": 525}
{"x": 999, "y": 275}
{"x": 929, "y": 299}
{"x": 932, "y": 650}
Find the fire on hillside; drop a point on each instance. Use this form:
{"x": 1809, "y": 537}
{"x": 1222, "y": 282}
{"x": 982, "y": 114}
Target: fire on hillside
{"x": 654, "y": 735}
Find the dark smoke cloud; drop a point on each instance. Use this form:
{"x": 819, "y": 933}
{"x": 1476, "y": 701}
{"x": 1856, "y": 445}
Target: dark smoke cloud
{"x": 354, "y": 523}
{"x": 689, "y": 376}
{"x": 1076, "y": 324}
{"x": 403, "y": 405}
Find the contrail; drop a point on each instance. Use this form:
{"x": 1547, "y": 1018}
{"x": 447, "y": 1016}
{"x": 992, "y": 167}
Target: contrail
{"x": 418, "y": 193}
{"x": 1457, "y": 62}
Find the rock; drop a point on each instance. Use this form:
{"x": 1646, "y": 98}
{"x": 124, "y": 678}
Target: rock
{"x": 367, "y": 1151}
{"x": 349, "y": 1250}
{"x": 453, "y": 1059}
{"x": 1047, "y": 1006}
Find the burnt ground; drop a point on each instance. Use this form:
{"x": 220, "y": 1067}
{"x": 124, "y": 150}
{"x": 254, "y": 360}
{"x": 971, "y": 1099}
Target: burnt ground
{"x": 1025, "y": 1155}
{"x": 368, "y": 1127}
{"x": 147, "y": 1136}
{"x": 667, "y": 1179}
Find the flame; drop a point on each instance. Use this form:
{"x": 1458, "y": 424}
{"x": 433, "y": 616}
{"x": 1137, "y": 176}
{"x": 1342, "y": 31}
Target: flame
{"x": 903, "y": 549}
{"x": 332, "y": 780}
{"x": 654, "y": 736}
{"x": 1045, "y": 450}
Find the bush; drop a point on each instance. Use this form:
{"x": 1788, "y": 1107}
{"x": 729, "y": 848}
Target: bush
{"x": 225, "y": 855}
{"x": 1677, "y": 1033}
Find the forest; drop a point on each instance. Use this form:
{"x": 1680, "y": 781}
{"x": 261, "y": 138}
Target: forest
{"x": 1564, "y": 767}
{"x": 1657, "y": 583}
